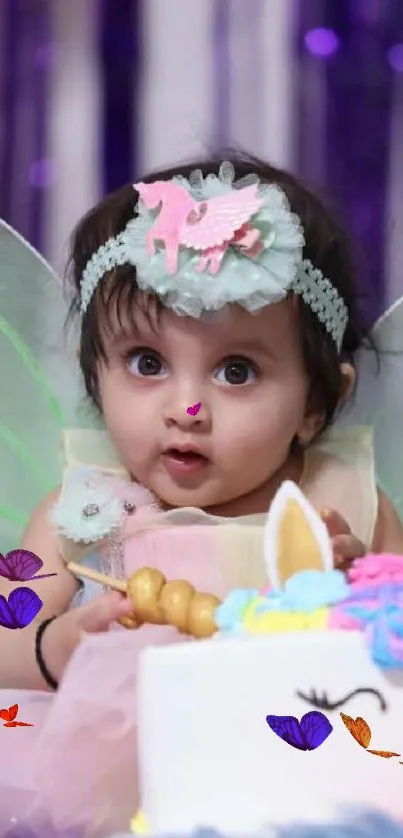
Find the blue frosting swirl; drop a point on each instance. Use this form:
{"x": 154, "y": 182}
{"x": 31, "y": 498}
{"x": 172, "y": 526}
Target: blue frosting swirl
{"x": 233, "y": 608}
{"x": 379, "y": 610}
{"x": 306, "y": 591}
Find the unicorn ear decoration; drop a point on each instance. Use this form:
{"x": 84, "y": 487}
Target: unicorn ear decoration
{"x": 302, "y": 583}
{"x": 295, "y": 538}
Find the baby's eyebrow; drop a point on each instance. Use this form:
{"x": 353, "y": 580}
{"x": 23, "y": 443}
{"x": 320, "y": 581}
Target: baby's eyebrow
{"x": 122, "y": 335}
{"x": 253, "y": 345}
{"x": 122, "y": 339}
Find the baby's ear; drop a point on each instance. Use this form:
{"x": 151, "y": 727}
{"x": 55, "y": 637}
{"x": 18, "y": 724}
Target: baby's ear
{"x": 311, "y": 426}
{"x": 295, "y": 537}
{"x": 348, "y": 379}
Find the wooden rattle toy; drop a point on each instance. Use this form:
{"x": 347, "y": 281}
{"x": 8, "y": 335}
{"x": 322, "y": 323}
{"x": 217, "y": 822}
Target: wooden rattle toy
{"x": 174, "y": 603}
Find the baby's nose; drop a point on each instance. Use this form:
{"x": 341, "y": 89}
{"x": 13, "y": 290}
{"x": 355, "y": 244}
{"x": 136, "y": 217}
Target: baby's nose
{"x": 182, "y": 413}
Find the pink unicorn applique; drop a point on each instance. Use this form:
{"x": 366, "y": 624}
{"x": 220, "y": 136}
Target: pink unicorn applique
{"x": 209, "y": 226}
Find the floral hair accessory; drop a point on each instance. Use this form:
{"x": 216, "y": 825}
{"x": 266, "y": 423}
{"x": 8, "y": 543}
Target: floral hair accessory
{"x": 203, "y": 243}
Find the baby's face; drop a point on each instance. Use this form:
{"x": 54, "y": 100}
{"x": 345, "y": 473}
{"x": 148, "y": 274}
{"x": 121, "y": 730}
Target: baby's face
{"x": 245, "y": 369}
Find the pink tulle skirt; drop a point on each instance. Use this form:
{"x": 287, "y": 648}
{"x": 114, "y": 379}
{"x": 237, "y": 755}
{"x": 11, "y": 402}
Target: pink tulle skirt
{"x": 75, "y": 771}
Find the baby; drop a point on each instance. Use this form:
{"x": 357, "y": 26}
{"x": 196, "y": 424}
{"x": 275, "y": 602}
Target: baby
{"x": 218, "y": 334}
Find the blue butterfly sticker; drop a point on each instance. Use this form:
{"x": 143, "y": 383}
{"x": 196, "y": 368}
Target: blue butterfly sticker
{"x": 305, "y": 735}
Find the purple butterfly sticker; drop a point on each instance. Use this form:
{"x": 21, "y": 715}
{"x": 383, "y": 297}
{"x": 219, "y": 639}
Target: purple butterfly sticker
{"x": 20, "y": 609}
{"x": 21, "y": 566}
{"x": 305, "y": 735}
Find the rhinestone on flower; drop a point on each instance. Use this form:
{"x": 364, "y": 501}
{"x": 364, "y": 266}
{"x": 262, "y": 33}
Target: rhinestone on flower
{"x": 129, "y": 507}
{"x": 91, "y": 510}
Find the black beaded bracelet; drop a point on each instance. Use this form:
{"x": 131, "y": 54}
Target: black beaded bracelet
{"x": 38, "y": 654}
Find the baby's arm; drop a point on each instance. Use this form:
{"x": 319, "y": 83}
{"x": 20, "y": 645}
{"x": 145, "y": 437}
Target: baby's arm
{"x": 388, "y": 536}
{"x": 18, "y": 666}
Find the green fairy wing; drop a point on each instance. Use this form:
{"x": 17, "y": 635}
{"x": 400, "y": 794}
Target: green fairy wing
{"x": 39, "y": 391}
{"x": 378, "y": 401}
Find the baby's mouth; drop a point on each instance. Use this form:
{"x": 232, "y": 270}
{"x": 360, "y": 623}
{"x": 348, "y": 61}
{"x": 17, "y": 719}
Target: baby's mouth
{"x": 177, "y": 460}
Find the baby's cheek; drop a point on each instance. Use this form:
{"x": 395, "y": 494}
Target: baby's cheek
{"x": 131, "y": 429}
{"x": 262, "y": 426}
{"x": 254, "y": 449}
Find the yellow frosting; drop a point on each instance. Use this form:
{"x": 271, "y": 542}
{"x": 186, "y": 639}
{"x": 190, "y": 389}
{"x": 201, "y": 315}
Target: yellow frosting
{"x": 275, "y": 622}
{"x": 138, "y": 824}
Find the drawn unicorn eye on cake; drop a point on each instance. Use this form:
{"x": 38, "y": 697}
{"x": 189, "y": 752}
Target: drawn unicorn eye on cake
{"x": 323, "y": 702}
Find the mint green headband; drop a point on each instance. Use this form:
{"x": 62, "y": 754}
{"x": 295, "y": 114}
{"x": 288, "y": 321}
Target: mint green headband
{"x": 203, "y": 243}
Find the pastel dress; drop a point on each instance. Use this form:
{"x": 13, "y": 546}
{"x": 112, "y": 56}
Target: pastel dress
{"x": 77, "y": 768}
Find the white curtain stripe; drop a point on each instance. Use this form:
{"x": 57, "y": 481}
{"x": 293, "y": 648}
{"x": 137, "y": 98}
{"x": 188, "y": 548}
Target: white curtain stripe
{"x": 74, "y": 123}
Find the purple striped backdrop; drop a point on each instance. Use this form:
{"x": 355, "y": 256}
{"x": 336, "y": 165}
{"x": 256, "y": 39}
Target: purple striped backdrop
{"x": 121, "y": 62}
{"x": 357, "y": 83}
{"x": 23, "y": 169}
{"x": 26, "y": 58}
{"x": 221, "y": 74}
{"x": 237, "y": 77}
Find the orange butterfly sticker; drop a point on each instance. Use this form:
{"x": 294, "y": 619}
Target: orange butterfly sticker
{"x": 361, "y": 732}
{"x": 9, "y": 716}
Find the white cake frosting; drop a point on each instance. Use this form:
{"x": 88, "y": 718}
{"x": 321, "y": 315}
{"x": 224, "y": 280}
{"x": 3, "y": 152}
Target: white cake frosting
{"x": 208, "y": 757}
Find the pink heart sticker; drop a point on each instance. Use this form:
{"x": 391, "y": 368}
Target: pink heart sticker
{"x": 194, "y": 409}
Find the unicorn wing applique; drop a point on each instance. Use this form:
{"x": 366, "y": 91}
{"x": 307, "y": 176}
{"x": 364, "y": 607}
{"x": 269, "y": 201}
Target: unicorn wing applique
{"x": 215, "y": 223}
{"x": 295, "y": 538}
{"x": 378, "y": 401}
{"x": 39, "y": 383}
{"x": 216, "y": 220}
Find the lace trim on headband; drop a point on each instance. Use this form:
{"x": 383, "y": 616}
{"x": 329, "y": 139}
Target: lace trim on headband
{"x": 322, "y": 298}
{"x": 110, "y": 255}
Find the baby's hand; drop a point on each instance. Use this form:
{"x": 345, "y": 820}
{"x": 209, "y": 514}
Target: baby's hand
{"x": 63, "y": 635}
{"x": 346, "y": 547}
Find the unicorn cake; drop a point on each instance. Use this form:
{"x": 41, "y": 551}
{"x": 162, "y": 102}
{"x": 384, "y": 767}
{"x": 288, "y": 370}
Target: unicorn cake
{"x": 292, "y": 711}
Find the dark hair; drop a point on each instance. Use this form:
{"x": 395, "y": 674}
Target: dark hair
{"x": 327, "y": 246}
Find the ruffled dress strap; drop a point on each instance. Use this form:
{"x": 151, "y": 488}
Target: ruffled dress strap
{"x": 97, "y": 500}
{"x": 91, "y": 449}
{"x": 90, "y": 506}
{"x": 339, "y": 473}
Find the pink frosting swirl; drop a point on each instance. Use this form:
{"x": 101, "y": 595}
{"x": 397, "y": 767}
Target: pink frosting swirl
{"x": 340, "y": 620}
{"x": 374, "y": 570}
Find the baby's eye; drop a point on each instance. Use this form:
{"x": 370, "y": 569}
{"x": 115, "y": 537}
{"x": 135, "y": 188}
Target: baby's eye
{"x": 236, "y": 371}
{"x": 144, "y": 362}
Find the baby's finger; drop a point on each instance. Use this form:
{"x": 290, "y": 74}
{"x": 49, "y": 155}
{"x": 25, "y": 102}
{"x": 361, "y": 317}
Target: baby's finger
{"x": 99, "y": 614}
{"x": 335, "y": 523}
{"x": 346, "y": 548}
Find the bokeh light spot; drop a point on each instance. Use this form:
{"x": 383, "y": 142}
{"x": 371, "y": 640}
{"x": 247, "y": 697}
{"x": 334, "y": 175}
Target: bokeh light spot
{"x": 47, "y": 56}
{"x": 322, "y": 42}
{"x": 395, "y": 57}
{"x": 42, "y": 174}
